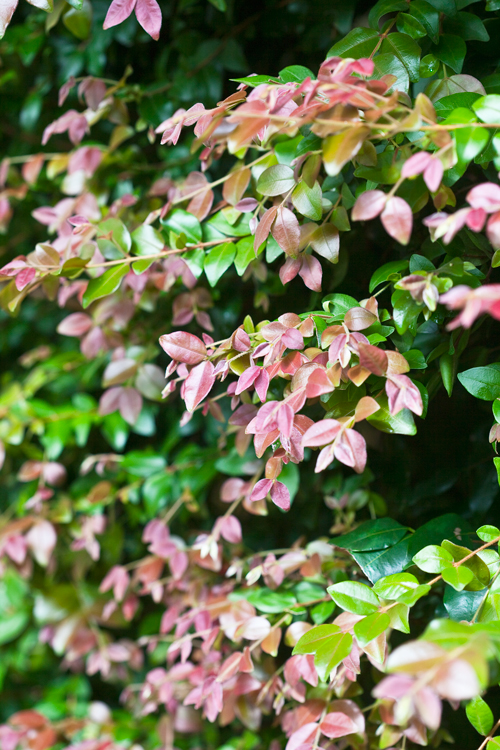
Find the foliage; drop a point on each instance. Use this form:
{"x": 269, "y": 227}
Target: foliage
{"x": 290, "y": 538}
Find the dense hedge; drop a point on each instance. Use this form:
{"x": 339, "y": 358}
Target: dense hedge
{"x": 288, "y": 538}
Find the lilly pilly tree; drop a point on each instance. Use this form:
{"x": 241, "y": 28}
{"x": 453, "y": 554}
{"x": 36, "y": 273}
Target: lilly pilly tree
{"x": 319, "y": 284}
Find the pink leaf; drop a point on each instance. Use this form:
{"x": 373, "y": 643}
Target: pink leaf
{"x": 369, "y": 205}
{"x": 75, "y": 324}
{"x": 198, "y": 384}
{"x": 311, "y": 273}
{"x": 280, "y": 495}
{"x": 261, "y": 489}
{"x": 350, "y": 450}
{"x": 184, "y": 347}
{"x": 149, "y": 16}
{"x": 255, "y": 628}
{"x": 336, "y": 724}
{"x": 302, "y": 737}
{"x": 321, "y": 433}
{"x": 118, "y": 11}
{"x": 7, "y": 8}
{"x": 264, "y": 227}
{"x": 25, "y": 277}
{"x": 41, "y": 540}
{"x": 486, "y": 195}
{"x": 397, "y": 219}
{"x": 230, "y": 529}
{"x": 130, "y": 405}
{"x": 286, "y": 231}
{"x": 433, "y": 175}
{"x": 359, "y": 318}
{"x": 416, "y": 164}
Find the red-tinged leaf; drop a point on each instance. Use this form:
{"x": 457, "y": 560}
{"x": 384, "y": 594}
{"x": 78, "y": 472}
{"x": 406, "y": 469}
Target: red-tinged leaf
{"x": 321, "y": 433}
{"x": 416, "y": 164}
{"x": 350, "y": 450}
{"x": 264, "y": 227}
{"x": 492, "y": 232}
{"x": 198, "y": 384}
{"x": 397, "y": 219}
{"x": 486, "y": 195}
{"x": 246, "y": 205}
{"x": 290, "y": 269}
{"x": 247, "y": 379}
{"x": 286, "y": 231}
{"x": 130, "y": 404}
{"x": 41, "y": 540}
{"x": 201, "y": 204}
{"x": 302, "y": 737}
{"x": 235, "y": 186}
{"x": 373, "y": 359}
{"x": 183, "y": 347}
{"x": 369, "y": 205}
{"x": 7, "y": 8}
{"x": 475, "y": 219}
{"x": 318, "y": 383}
{"x": 285, "y": 420}
{"x": 118, "y": 11}
{"x": 31, "y": 169}
{"x": 336, "y": 724}
{"x": 402, "y": 393}
{"x": 293, "y": 339}
{"x": 359, "y": 318}
{"x": 149, "y": 16}
{"x": 325, "y": 241}
{"x": 311, "y": 273}
{"x": 339, "y": 149}
{"x": 280, "y": 495}
{"x": 433, "y": 175}
{"x": 75, "y": 324}
{"x": 230, "y": 529}
{"x": 261, "y": 489}
{"x": 365, "y": 408}
{"x": 262, "y": 384}
{"x": 24, "y": 277}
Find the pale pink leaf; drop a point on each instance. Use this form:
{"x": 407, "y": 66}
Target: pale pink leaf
{"x": 118, "y": 11}
{"x": 75, "y": 324}
{"x": 198, "y": 384}
{"x": 149, "y": 16}
{"x": 369, "y": 205}
{"x": 264, "y": 227}
{"x": 397, "y": 219}
{"x": 130, "y": 405}
{"x": 336, "y": 724}
{"x": 286, "y": 231}
{"x": 280, "y": 495}
{"x": 184, "y": 347}
{"x": 416, "y": 164}
{"x": 321, "y": 433}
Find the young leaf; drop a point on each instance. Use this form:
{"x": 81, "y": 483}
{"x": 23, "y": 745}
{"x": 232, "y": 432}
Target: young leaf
{"x": 310, "y": 641}
{"x": 371, "y": 627}
{"x": 458, "y": 577}
{"x": 276, "y": 180}
{"x": 307, "y": 200}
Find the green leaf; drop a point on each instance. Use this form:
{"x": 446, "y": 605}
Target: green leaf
{"x": 157, "y": 492}
{"x": 384, "y": 562}
{"x": 104, "y": 285}
{"x": 141, "y": 464}
{"x": 493, "y": 744}
{"x": 147, "y": 241}
{"x": 451, "y": 50}
{"x": 219, "y": 4}
{"x": 394, "y": 586}
{"x": 487, "y": 108}
{"x": 389, "y": 64}
{"x": 354, "y": 597}
{"x": 447, "y": 104}
{"x": 406, "y": 49}
{"x": 321, "y": 612}
{"x": 254, "y": 81}
{"x": 388, "y": 272}
{"x": 271, "y": 602}
{"x": 462, "y": 605}
{"x": 372, "y": 535}
{"x": 415, "y": 359}
{"x": 12, "y": 625}
{"x": 276, "y": 180}
{"x": 411, "y": 597}
{"x": 182, "y": 222}
{"x": 428, "y": 17}
{"x": 331, "y": 652}
{"x": 482, "y": 382}
{"x": 458, "y": 577}
{"x": 338, "y": 304}
{"x": 371, "y": 627}
{"x": 314, "y": 638}
{"x": 245, "y": 254}
{"x": 296, "y": 74}
{"x": 357, "y": 43}
{"x": 218, "y": 260}
{"x": 118, "y": 234}
{"x": 467, "y": 26}
{"x": 488, "y": 533}
{"x": 433, "y": 559}
{"x": 307, "y": 200}
{"x": 399, "y": 424}
{"x": 382, "y": 7}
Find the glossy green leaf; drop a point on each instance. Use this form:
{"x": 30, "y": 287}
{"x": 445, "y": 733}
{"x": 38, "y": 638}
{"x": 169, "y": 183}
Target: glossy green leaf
{"x": 314, "y": 638}
{"x": 433, "y": 559}
{"x": 357, "y": 43}
{"x": 371, "y": 627}
{"x": 396, "y": 585}
{"x": 217, "y": 261}
{"x": 331, "y": 652}
{"x": 146, "y": 240}
{"x": 482, "y": 382}
{"x": 105, "y": 285}
{"x": 406, "y": 50}
{"x": 296, "y": 74}
{"x": 276, "y": 180}
{"x": 399, "y": 424}
{"x": 307, "y": 200}
{"x": 182, "y": 222}
{"x": 382, "y": 7}
{"x": 372, "y": 535}
{"x": 458, "y": 577}
{"x": 354, "y": 597}
{"x": 451, "y": 50}
{"x": 388, "y": 272}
